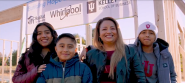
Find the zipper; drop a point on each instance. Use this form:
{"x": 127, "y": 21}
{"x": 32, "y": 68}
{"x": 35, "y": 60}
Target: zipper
{"x": 63, "y": 72}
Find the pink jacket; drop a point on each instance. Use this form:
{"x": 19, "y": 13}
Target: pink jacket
{"x": 25, "y": 76}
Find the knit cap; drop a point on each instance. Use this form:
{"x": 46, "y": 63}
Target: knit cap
{"x": 147, "y": 26}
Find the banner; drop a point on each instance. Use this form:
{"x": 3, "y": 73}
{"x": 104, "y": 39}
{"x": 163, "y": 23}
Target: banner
{"x": 68, "y": 13}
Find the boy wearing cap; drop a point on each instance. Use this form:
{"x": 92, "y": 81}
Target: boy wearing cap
{"x": 153, "y": 52}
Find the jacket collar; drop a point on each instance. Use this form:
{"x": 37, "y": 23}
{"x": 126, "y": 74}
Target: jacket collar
{"x": 69, "y": 63}
{"x": 160, "y": 48}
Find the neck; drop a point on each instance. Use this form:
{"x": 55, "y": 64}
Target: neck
{"x": 109, "y": 47}
{"x": 148, "y": 49}
{"x": 64, "y": 62}
{"x": 45, "y": 51}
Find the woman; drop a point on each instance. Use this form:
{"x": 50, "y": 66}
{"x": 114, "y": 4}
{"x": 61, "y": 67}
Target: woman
{"x": 112, "y": 61}
{"x": 154, "y": 55}
{"x": 34, "y": 60}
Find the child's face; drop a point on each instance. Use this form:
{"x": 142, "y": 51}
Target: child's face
{"x": 147, "y": 37}
{"x": 65, "y": 49}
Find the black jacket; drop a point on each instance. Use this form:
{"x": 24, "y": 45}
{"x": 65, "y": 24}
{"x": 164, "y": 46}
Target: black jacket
{"x": 96, "y": 60}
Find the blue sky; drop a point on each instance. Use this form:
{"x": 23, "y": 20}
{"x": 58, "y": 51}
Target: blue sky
{"x": 11, "y": 30}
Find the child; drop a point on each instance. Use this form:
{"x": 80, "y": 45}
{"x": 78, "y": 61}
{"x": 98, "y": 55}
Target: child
{"x": 153, "y": 52}
{"x": 66, "y": 67}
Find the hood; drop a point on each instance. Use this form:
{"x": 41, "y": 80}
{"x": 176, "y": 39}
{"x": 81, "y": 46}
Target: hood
{"x": 162, "y": 44}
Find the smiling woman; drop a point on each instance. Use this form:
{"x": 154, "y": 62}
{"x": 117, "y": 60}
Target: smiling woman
{"x": 44, "y": 36}
{"x": 112, "y": 61}
{"x": 34, "y": 60}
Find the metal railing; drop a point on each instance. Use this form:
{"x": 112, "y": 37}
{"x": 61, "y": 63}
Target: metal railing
{"x": 7, "y": 76}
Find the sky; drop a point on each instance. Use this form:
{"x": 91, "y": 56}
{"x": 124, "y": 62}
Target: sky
{"x": 11, "y": 31}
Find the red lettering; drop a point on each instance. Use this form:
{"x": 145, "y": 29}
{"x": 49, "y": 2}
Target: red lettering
{"x": 146, "y": 68}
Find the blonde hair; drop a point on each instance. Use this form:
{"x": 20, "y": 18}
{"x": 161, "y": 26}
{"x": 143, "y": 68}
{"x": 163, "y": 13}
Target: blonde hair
{"x": 119, "y": 48}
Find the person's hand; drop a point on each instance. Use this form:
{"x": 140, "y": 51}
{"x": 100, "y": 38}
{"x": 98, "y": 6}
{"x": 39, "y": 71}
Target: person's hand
{"x": 41, "y": 68}
{"x": 83, "y": 54}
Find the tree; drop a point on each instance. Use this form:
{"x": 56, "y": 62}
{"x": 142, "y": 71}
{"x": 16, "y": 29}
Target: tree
{"x": 1, "y": 59}
{"x": 78, "y": 41}
{"x": 180, "y": 55}
{"x": 179, "y": 40}
{"x": 93, "y": 30}
{"x": 8, "y": 60}
{"x": 83, "y": 41}
{"x": 14, "y": 59}
{"x": 77, "y": 36}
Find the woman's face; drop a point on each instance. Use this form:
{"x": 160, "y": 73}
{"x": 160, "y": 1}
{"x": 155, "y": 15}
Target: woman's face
{"x": 65, "y": 49}
{"x": 44, "y": 36}
{"x": 108, "y": 32}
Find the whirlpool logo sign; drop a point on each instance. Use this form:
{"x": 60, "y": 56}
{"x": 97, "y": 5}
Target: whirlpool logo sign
{"x": 36, "y": 19}
{"x": 68, "y": 11}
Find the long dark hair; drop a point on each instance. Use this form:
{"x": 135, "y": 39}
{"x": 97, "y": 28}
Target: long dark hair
{"x": 35, "y": 48}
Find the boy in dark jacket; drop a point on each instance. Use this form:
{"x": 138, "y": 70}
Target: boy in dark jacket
{"x": 153, "y": 52}
{"x": 66, "y": 67}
